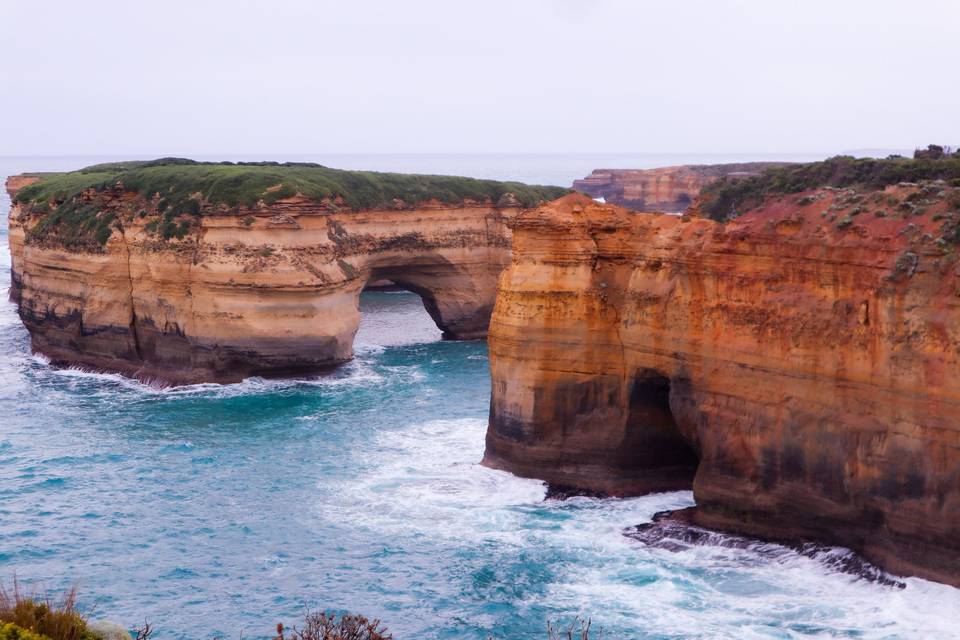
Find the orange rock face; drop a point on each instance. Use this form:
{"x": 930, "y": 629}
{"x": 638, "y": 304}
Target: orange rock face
{"x": 667, "y": 189}
{"x": 797, "y": 366}
{"x": 268, "y": 290}
{"x": 15, "y": 183}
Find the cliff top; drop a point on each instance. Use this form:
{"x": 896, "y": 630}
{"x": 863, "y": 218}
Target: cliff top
{"x": 728, "y": 198}
{"x": 77, "y": 210}
{"x": 185, "y": 183}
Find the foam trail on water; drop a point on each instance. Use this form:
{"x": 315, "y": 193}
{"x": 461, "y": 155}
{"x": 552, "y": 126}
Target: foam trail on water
{"x": 429, "y": 485}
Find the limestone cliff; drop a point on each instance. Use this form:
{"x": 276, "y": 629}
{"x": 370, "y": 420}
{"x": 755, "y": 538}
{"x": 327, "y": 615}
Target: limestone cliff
{"x": 109, "y": 278}
{"x": 797, "y": 366}
{"x": 667, "y": 189}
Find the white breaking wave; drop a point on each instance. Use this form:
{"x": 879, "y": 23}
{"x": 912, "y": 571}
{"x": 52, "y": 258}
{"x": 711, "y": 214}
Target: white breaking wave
{"x": 354, "y": 373}
{"x": 428, "y": 483}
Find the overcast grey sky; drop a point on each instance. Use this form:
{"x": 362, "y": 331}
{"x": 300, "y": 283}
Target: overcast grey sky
{"x": 299, "y": 76}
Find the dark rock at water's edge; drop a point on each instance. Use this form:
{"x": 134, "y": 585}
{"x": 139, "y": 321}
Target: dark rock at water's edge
{"x": 565, "y": 492}
{"x": 676, "y": 531}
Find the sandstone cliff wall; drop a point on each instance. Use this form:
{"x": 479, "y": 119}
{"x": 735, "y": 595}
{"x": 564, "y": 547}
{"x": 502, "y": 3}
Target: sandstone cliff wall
{"x": 667, "y": 189}
{"x": 798, "y": 366}
{"x": 264, "y": 290}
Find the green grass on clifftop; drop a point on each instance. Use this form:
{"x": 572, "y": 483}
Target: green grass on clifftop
{"x": 727, "y": 198}
{"x": 181, "y": 187}
{"x": 177, "y": 180}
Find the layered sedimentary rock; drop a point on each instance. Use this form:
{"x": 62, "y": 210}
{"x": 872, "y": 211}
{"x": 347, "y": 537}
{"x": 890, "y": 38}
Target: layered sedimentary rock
{"x": 797, "y": 366}
{"x": 261, "y": 289}
{"x": 667, "y": 189}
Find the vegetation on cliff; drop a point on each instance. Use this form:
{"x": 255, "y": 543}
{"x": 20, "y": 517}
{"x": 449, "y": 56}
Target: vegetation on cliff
{"x": 178, "y": 187}
{"x": 727, "y": 198}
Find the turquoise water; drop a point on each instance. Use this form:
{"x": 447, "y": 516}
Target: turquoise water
{"x": 215, "y": 510}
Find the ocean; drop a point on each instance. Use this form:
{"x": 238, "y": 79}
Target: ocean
{"x": 219, "y": 511}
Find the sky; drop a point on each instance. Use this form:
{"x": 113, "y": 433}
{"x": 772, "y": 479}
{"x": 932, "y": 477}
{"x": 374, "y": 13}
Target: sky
{"x": 442, "y": 76}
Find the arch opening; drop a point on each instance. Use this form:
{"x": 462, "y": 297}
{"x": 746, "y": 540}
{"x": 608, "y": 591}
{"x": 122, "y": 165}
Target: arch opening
{"x": 458, "y": 299}
{"x": 653, "y": 439}
{"x": 415, "y": 281}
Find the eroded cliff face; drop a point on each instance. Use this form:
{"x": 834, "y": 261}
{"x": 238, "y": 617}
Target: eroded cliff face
{"x": 263, "y": 290}
{"x": 667, "y": 189}
{"x": 797, "y": 366}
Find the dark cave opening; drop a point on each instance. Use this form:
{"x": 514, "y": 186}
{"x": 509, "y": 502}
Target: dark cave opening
{"x": 653, "y": 440}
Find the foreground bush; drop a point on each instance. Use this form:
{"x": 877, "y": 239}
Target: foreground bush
{"x": 28, "y": 617}
{"x": 56, "y": 621}
{"x": 10, "y": 631}
{"x": 323, "y": 626}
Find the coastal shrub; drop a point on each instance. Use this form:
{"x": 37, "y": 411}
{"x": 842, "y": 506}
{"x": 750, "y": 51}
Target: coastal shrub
{"x": 74, "y": 225}
{"x": 56, "y": 621}
{"x": 953, "y": 199}
{"x": 579, "y": 629}
{"x": 728, "y": 197}
{"x": 324, "y": 626}
{"x": 9, "y": 631}
{"x": 950, "y": 230}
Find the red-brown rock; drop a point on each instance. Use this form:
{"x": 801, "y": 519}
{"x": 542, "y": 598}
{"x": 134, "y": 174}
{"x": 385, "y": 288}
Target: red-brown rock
{"x": 667, "y": 189}
{"x": 799, "y": 365}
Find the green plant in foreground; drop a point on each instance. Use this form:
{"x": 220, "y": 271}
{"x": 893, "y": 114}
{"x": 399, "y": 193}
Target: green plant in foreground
{"x": 55, "y": 621}
{"x": 10, "y": 631}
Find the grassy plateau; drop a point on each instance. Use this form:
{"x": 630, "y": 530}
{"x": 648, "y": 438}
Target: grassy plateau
{"x": 180, "y": 189}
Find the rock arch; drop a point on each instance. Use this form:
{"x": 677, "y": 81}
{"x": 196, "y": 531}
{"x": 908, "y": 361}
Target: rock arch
{"x": 273, "y": 292}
